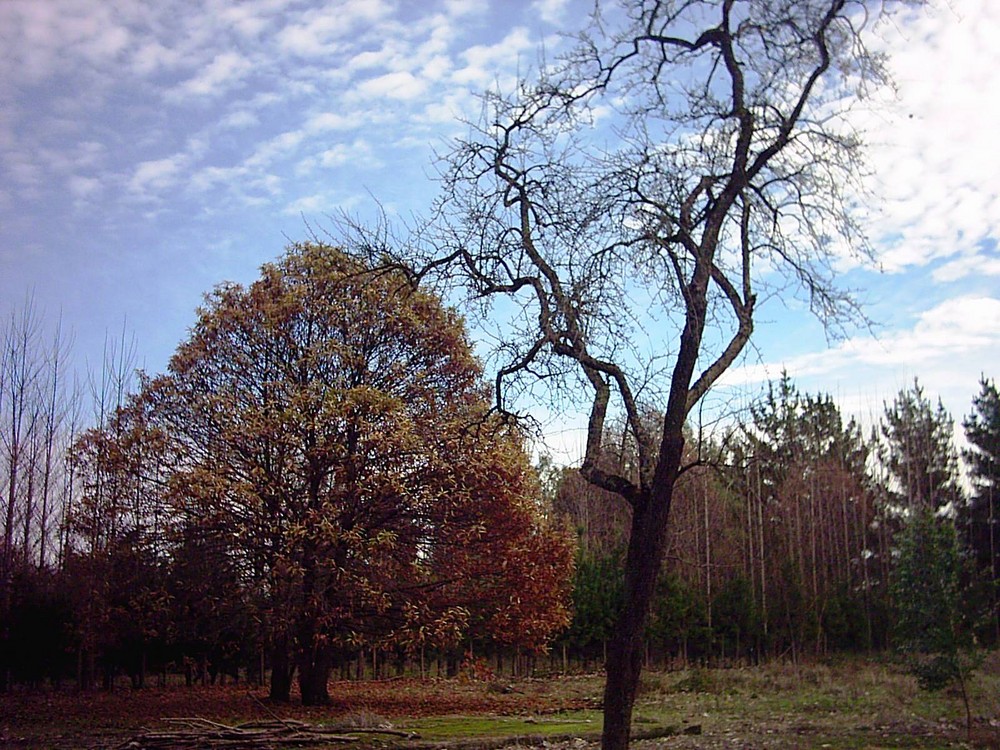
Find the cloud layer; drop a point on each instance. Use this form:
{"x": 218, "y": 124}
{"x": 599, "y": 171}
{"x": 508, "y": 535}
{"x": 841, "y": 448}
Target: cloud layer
{"x": 177, "y": 97}
{"x": 149, "y": 150}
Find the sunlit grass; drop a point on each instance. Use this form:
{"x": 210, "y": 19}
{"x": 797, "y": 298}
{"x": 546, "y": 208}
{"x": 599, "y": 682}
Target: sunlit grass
{"x": 454, "y": 727}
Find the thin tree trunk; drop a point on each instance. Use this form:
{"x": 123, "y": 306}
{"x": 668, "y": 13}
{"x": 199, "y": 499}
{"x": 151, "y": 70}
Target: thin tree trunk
{"x": 708, "y": 552}
{"x": 624, "y": 663}
{"x": 964, "y": 692}
{"x": 993, "y": 564}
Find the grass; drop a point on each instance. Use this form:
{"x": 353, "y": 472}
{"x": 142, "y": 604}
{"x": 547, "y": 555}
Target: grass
{"x": 851, "y": 703}
{"x": 459, "y": 727}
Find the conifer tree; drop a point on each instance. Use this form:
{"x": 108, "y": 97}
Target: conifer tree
{"x": 933, "y": 629}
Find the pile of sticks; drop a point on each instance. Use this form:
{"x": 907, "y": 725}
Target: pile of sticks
{"x": 202, "y": 733}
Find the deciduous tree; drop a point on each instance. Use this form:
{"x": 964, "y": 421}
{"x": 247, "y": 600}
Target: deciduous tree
{"x": 635, "y": 201}
{"x": 121, "y": 521}
{"x": 34, "y": 403}
{"x": 333, "y": 422}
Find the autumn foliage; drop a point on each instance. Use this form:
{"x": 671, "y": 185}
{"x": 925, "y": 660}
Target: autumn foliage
{"x": 324, "y": 437}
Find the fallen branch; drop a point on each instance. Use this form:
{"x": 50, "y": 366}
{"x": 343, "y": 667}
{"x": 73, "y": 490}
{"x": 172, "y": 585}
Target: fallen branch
{"x": 203, "y": 733}
{"x": 267, "y": 709}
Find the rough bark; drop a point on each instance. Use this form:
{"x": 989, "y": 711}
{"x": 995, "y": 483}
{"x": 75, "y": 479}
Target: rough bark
{"x": 646, "y": 548}
{"x": 624, "y": 664}
{"x": 314, "y": 674}
{"x": 281, "y": 672}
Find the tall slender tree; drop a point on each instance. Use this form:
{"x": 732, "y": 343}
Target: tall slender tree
{"x": 807, "y": 469}
{"x": 33, "y": 402}
{"x": 981, "y": 518}
{"x": 919, "y": 451}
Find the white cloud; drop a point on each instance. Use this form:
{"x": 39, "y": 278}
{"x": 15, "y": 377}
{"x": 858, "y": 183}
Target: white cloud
{"x": 394, "y": 54}
{"x": 359, "y": 153}
{"x": 152, "y": 56}
{"x": 959, "y": 327}
{"x": 156, "y": 175}
{"x": 969, "y": 265}
{"x": 947, "y": 347}
{"x": 239, "y": 119}
{"x": 208, "y": 178}
{"x": 307, "y": 204}
{"x": 339, "y": 155}
{"x": 551, "y": 11}
{"x": 249, "y": 187}
{"x": 436, "y": 68}
{"x": 40, "y": 39}
{"x": 484, "y": 63}
{"x": 226, "y": 70}
{"x": 83, "y": 188}
{"x": 939, "y": 188}
{"x": 402, "y": 85}
{"x": 322, "y": 203}
{"x": 24, "y": 173}
{"x": 461, "y": 8}
{"x": 319, "y": 33}
{"x": 250, "y": 17}
{"x": 69, "y": 158}
{"x": 327, "y": 121}
{"x": 448, "y": 109}
{"x": 266, "y": 153}
{"x": 953, "y": 328}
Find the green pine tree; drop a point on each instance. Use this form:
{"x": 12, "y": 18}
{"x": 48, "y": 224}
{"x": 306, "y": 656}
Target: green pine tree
{"x": 932, "y": 628}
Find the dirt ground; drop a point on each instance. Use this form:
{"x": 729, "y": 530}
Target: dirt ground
{"x": 57, "y": 719}
{"x": 851, "y": 706}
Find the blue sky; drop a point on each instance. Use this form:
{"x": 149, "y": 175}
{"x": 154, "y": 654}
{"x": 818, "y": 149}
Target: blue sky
{"x": 151, "y": 150}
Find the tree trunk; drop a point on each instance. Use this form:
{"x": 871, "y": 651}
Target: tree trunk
{"x": 281, "y": 672}
{"x": 314, "y": 673}
{"x": 646, "y": 548}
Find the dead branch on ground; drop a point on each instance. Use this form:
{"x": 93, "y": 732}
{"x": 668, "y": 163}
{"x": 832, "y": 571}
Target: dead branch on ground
{"x": 197, "y": 732}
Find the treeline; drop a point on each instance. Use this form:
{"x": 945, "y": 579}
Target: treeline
{"x": 317, "y": 487}
{"x": 785, "y": 534}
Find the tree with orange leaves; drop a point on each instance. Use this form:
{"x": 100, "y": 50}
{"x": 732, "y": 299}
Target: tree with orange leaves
{"x": 334, "y": 427}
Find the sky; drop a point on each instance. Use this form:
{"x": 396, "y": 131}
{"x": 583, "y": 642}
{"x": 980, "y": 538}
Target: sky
{"x": 149, "y": 151}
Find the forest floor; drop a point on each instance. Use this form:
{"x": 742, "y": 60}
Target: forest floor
{"x": 850, "y": 704}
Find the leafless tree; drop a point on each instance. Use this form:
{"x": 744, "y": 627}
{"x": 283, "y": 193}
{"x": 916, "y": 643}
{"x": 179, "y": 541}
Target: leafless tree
{"x": 635, "y": 203}
{"x": 33, "y": 400}
{"x": 21, "y": 371}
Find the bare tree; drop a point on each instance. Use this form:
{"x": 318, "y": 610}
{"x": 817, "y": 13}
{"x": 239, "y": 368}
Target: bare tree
{"x": 55, "y": 405}
{"x": 22, "y": 371}
{"x": 31, "y": 404}
{"x": 635, "y": 202}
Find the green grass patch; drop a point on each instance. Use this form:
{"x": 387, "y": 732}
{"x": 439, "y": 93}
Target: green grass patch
{"x": 460, "y": 727}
